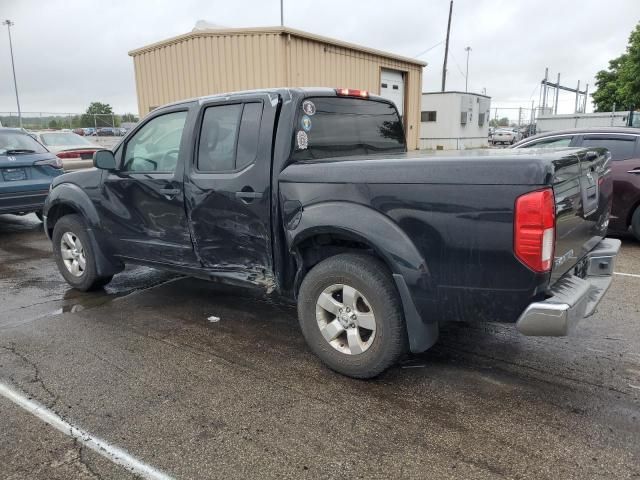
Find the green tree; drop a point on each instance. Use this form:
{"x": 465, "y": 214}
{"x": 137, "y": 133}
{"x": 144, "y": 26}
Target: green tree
{"x": 619, "y": 85}
{"x": 97, "y": 108}
{"x": 98, "y": 114}
{"x": 53, "y": 124}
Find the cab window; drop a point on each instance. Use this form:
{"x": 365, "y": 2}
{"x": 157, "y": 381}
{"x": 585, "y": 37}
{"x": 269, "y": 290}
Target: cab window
{"x": 156, "y": 146}
{"x": 344, "y": 126}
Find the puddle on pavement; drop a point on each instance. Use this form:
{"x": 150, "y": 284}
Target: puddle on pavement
{"x": 82, "y": 301}
{"x": 133, "y": 280}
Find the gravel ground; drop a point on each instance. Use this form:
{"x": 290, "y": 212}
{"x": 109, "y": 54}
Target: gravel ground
{"x": 141, "y": 367}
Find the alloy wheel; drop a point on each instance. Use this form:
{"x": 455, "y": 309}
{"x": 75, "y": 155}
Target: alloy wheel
{"x": 346, "y": 319}
{"x": 72, "y": 252}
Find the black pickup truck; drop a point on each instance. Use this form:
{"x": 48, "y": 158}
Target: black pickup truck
{"x": 311, "y": 194}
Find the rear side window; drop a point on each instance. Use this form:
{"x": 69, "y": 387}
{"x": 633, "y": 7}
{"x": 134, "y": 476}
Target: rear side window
{"x": 249, "y": 134}
{"x": 229, "y": 137}
{"x": 337, "y": 126}
{"x": 550, "y": 143}
{"x": 621, "y": 148}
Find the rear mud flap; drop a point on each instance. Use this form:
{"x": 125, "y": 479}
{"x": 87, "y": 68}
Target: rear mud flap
{"x": 422, "y": 335}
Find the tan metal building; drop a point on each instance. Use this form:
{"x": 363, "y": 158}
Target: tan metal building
{"x": 205, "y": 62}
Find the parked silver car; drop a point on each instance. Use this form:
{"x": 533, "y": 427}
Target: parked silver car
{"x": 75, "y": 151}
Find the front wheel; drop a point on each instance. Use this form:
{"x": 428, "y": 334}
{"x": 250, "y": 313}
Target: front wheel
{"x": 351, "y": 315}
{"x": 74, "y": 254}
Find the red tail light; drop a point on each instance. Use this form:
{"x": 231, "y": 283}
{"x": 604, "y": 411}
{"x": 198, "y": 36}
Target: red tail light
{"x": 534, "y": 236}
{"x": 351, "y": 92}
{"x": 75, "y": 153}
{"x": 68, "y": 155}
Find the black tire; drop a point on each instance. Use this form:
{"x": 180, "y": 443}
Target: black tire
{"x": 635, "y": 223}
{"x": 371, "y": 277}
{"x": 88, "y": 278}
{"x": 39, "y": 215}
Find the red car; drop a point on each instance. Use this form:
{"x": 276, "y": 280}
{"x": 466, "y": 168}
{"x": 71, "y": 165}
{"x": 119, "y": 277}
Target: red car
{"x": 624, "y": 145}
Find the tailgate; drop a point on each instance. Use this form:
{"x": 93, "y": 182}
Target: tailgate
{"x": 582, "y": 187}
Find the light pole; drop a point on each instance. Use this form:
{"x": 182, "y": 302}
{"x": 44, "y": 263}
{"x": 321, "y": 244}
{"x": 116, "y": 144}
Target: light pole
{"x": 282, "y": 13}
{"x": 9, "y": 24}
{"x": 466, "y": 77}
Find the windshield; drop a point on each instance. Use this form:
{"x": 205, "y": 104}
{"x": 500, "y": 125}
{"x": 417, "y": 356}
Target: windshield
{"x": 63, "y": 139}
{"x": 339, "y": 126}
{"x": 16, "y": 142}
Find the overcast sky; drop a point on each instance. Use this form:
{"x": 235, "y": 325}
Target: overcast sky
{"x": 69, "y": 53}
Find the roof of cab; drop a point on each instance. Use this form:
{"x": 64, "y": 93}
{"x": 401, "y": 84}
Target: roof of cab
{"x": 282, "y": 91}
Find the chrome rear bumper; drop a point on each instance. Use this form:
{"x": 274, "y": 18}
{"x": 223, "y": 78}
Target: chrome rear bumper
{"x": 572, "y": 298}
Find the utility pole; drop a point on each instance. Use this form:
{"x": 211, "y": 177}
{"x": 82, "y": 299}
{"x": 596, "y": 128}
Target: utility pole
{"x": 532, "y": 120}
{"x": 466, "y": 77}
{"x": 586, "y": 97}
{"x": 9, "y": 24}
{"x": 282, "y": 13}
{"x": 544, "y": 90}
{"x": 446, "y": 48}
{"x": 555, "y": 102}
{"x": 575, "y": 108}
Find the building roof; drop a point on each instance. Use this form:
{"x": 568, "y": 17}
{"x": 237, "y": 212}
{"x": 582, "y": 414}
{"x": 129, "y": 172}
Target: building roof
{"x": 272, "y": 30}
{"x": 457, "y": 92}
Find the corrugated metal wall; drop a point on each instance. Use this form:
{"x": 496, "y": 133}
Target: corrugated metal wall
{"x": 204, "y": 65}
{"x": 209, "y": 63}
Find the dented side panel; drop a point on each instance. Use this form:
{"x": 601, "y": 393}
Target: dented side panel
{"x": 230, "y": 212}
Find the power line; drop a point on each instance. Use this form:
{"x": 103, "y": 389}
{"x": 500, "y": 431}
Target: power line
{"x": 456, "y": 62}
{"x": 428, "y": 49}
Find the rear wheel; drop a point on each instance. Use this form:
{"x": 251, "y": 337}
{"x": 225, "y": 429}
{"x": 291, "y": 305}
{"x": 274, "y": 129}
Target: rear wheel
{"x": 74, "y": 254}
{"x": 635, "y": 223}
{"x": 351, "y": 315}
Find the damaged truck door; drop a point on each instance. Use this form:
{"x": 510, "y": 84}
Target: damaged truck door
{"x": 227, "y": 187}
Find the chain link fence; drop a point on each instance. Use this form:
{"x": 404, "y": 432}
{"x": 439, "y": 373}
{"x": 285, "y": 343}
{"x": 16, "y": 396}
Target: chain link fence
{"x": 522, "y": 118}
{"x": 51, "y": 120}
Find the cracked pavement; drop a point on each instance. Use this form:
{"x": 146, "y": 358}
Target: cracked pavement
{"x": 140, "y": 366}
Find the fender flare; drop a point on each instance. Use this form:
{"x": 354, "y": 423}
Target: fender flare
{"x": 362, "y": 223}
{"x": 70, "y": 195}
{"x": 73, "y": 196}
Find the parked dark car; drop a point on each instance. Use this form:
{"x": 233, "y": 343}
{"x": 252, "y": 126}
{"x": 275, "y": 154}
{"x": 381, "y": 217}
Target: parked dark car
{"x": 624, "y": 145}
{"x": 26, "y": 171}
{"x": 106, "y": 132}
{"x": 310, "y": 194}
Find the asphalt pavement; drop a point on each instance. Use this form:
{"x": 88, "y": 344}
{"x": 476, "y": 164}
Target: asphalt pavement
{"x": 142, "y": 368}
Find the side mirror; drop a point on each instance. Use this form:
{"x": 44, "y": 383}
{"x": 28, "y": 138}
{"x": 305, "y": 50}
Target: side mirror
{"x": 591, "y": 155}
{"x": 104, "y": 160}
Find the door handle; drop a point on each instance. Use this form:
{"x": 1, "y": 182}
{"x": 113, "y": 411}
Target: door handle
{"x": 635, "y": 170}
{"x": 169, "y": 192}
{"x": 248, "y": 195}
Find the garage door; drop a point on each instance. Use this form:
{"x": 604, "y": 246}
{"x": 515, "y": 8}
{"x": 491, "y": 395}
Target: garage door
{"x": 392, "y": 87}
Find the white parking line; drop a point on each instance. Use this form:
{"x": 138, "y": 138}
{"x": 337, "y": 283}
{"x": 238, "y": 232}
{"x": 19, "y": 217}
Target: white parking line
{"x": 634, "y": 275}
{"x": 115, "y": 454}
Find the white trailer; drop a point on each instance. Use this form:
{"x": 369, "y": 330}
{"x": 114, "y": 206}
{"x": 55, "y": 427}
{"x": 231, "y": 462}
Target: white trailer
{"x": 549, "y": 123}
{"x": 454, "y": 120}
